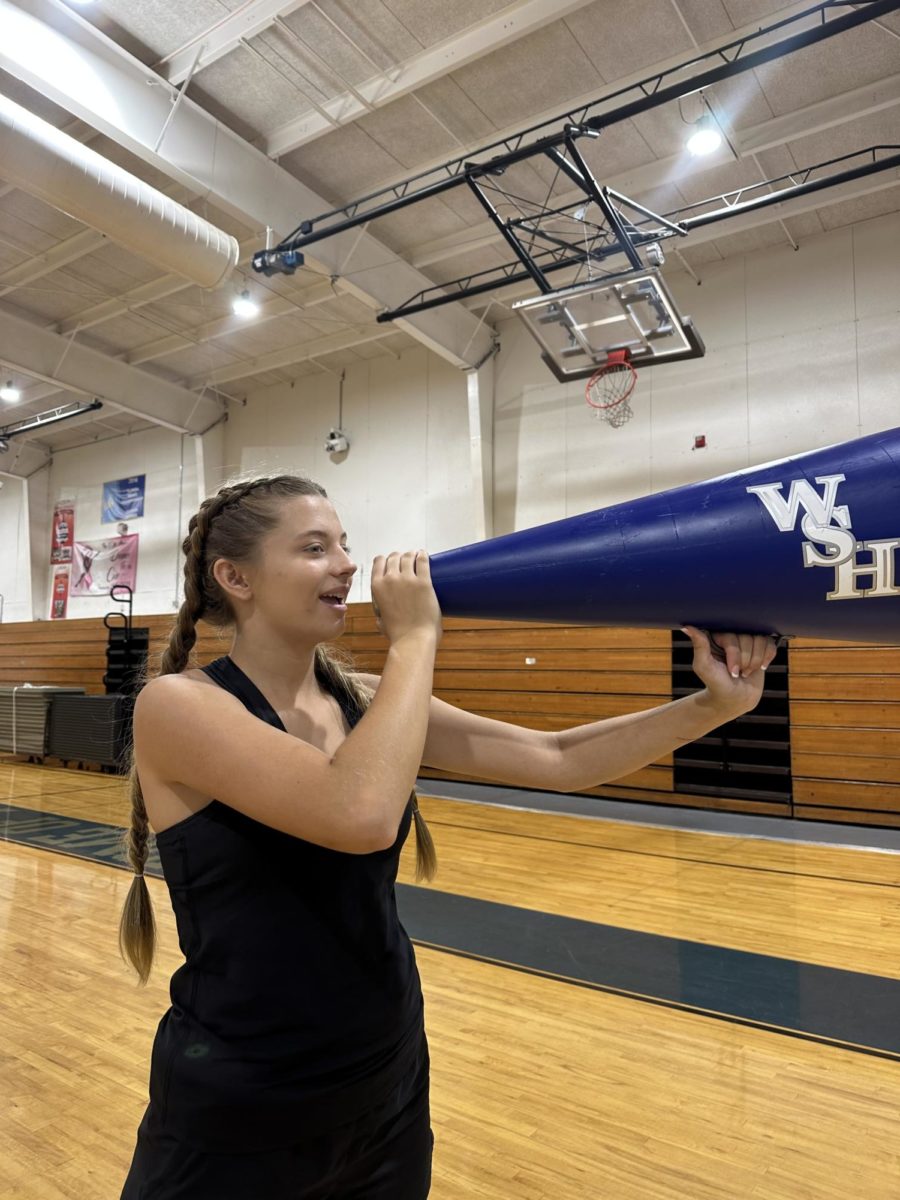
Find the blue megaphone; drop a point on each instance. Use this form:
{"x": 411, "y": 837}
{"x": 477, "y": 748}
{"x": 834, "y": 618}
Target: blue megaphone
{"x": 808, "y": 546}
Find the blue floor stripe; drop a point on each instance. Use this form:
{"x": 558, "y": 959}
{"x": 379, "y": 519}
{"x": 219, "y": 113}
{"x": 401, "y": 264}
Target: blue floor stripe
{"x": 70, "y": 835}
{"x": 825, "y": 1003}
{"x": 853, "y": 1009}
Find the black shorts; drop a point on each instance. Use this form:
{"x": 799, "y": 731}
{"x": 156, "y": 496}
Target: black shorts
{"x": 383, "y": 1155}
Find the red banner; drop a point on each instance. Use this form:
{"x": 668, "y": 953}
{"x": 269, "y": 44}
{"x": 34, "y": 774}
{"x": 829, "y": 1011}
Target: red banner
{"x": 59, "y": 592}
{"x": 63, "y": 539}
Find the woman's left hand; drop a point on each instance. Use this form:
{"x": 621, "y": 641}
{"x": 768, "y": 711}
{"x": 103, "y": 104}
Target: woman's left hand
{"x": 737, "y": 682}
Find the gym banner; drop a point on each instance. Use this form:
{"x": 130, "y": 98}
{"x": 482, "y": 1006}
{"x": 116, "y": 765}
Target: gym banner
{"x": 63, "y": 537}
{"x": 97, "y": 566}
{"x": 59, "y": 591}
{"x": 123, "y": 499}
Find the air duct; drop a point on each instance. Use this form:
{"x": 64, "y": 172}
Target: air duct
{"x": 43, "y": 161}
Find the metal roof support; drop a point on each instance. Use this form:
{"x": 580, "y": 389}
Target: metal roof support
{"x": 246, "y": 21}
{"x": 86, "y": 372}
{"x": 600, "y": 196}
{"x": 510, "y": 238}
{"x": 731, "y": 59}
{"x": 776, "y": 131}
{"x": 677, "y": 223}
{"x": 490, "y": 34}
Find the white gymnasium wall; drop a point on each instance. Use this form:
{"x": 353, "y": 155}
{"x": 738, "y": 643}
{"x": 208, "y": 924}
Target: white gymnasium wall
{"x": 168, "y": 461}
{"x": 15, "y": 573}
{"x": 406, "y": 481}
{"x": 803, "y": 350}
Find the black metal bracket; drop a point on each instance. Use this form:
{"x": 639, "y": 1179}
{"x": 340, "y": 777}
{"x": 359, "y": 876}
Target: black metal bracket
{"x": 51, "y": 417}
{"x": 627, "y": 237}
{"x": 813, "y": 25}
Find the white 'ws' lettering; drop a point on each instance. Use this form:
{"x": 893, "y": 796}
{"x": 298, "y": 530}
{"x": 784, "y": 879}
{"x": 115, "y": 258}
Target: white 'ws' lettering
{"x": 827, "y": 523}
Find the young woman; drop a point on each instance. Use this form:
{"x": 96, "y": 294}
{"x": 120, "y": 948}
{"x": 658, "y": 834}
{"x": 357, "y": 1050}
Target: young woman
{"x": 292, "y": 1063}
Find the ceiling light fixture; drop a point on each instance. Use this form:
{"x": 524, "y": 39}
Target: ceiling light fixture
{"x": 706, "y": 136}
{"x": 243, "y": 306}
{"x": 9, "y": 393}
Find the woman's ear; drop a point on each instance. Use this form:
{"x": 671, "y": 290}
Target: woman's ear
{"x": 231, "y": 579}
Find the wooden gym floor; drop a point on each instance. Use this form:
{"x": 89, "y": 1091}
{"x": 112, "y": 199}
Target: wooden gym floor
{"x": 615, "y": 1012}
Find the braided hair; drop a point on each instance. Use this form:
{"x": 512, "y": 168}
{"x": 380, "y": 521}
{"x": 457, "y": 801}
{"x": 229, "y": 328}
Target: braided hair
{"x": 230, "y": 525}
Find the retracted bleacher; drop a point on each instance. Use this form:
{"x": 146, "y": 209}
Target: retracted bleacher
{"x": 24, "y": 728}
{"x": 97, "y": 729}
{"x": 91, "y": 729}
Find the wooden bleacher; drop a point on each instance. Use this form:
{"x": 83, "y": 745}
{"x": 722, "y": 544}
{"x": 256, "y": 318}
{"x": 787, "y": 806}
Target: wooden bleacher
{"x": 844, "y": 697}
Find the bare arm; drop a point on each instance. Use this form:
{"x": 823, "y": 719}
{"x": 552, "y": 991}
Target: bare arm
{"x": 190, "y": 732}
{"x": 590, "y": 755}
{"x": 383, "y": 753}
{"x": 585, "y": 756}
{"x": 594, "y": 754}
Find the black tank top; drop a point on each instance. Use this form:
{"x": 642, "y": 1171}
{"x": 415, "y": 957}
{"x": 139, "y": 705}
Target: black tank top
{"x": 299, "y": 1004}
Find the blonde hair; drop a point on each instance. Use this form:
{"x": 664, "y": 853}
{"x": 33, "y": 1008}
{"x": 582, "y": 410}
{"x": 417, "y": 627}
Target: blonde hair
{"x": 230, "y": 525}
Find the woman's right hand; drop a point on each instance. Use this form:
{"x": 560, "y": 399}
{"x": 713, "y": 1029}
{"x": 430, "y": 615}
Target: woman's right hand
{"x": 403, "y": 596}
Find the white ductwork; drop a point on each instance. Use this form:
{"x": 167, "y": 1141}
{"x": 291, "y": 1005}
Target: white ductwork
{"x": 43, "y": 161}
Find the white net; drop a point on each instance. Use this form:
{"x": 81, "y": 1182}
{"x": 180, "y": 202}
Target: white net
{"x": 615, "y": 414}
{"x": 607, "y": 393}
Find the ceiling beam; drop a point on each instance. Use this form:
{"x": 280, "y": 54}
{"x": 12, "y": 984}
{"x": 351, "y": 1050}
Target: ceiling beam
{"x": 490, "y": 34}
{"x": 136, "y": 297}
{"x": 37, "y": 265}
{"x": 741, "y": 222}
{"x": 224, "y": 36}
{"x": 73, "y": 367}
{"x": 159, "y": 289}
{"x": 346, "y": 339}
{"x": 108, "y": 310}
{"x": 551, "y": 116}
{"x": 54, "y": 50}
{"x": 118, "y": 306}
{"x": 849, "y": 106}
{"x": 22, "y": 459}
{"x": 278, "y": 306}
{"x": 637, "y": 181}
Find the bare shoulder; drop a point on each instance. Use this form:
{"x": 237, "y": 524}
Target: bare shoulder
{"x": 185, "y": 687}
{"x": 191, "y": 675}
{"x": 170, "y": 706}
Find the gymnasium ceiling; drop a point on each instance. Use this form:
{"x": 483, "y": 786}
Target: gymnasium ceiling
{"x": 349, "y": 95}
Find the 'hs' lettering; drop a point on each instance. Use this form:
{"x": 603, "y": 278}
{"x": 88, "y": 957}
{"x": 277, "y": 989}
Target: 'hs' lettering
{"x": 828, "y": 523}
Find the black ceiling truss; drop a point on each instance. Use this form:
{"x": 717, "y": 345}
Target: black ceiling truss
{"x": 545, "y": 239}
{"x": 597, "y": 242}
{"x": 51, "y": 417}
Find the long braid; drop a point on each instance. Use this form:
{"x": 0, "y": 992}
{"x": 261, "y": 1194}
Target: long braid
{"x": 137, "y": 926}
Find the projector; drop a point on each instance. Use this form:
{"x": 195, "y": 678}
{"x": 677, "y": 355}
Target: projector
{"x": 336, "y": 442}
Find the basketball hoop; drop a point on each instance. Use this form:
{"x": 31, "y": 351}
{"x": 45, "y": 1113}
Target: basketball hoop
{"x": 608, "y": 389}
